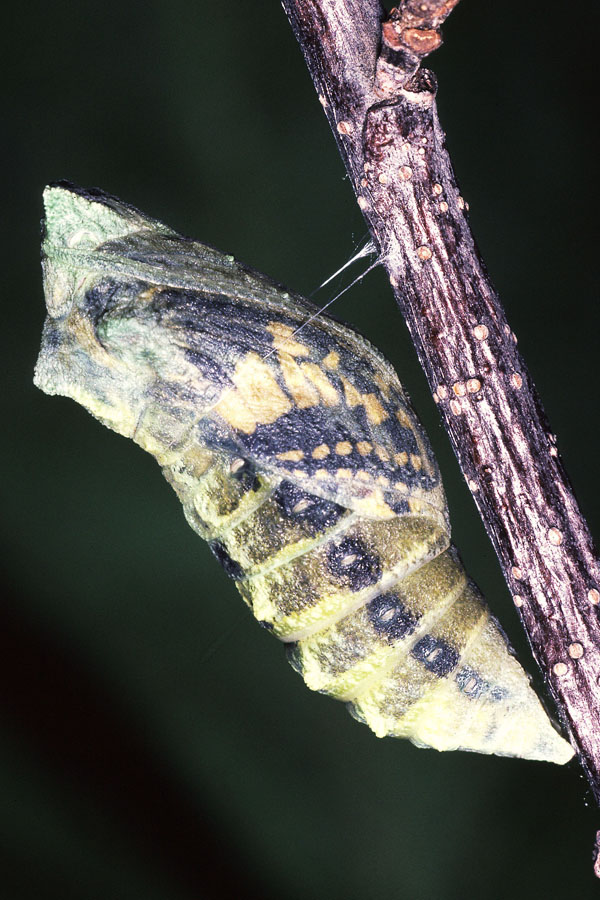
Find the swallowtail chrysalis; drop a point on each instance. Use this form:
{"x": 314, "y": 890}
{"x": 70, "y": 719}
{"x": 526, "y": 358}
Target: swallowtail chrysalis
{"x": 297, "y": 456}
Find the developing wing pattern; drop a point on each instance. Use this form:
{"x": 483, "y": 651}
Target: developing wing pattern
{"x": 297, "y": 456}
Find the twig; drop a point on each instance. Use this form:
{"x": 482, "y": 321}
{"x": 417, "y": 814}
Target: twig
{"x": 381, "y": 106}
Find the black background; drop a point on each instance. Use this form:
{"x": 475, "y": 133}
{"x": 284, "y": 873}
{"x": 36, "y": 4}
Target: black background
{"x": 154, "y": 742}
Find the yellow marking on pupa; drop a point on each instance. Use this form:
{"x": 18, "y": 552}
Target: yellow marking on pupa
{"x": 283, "y": 339}
{"x": 343, "y": 448}
{"x": 322, "y": 383}
{"x": 376, "y": 414}
{"x": 382, "y": 453}
{"x": 343, "y": 473}
{"x": 303, "y": 393}
{"x": 373, "y": 506}
{"x": 416, "y": 461}
{"x": 321, "y": 473}
{"x": 147, "y": 295}
{"x": 234, "y": 410}
{"x": 401, "y": 458}
{"x": 404, "y": 419}
{"x": 363, "y": 475}
{"x": 353, "y": 397}
{"x": 291, "y": 455}
{"x": 382, "y": 384}
{"x": 331, "y": 361}
{"x": 321, "y": 451}
{"x": 364, "y": 448}
{"x": 256, "y": 399}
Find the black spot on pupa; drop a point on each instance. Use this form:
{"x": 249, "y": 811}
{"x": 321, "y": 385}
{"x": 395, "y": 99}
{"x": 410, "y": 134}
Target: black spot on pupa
{"x": 351, "y": 562}
{"x": 268, "y": 626}
{"x": 471, "y": 683}
{"x": 231, "y": 567}
{"x": 246, "y": 476}
{"x": 436, "y": 655}
{"x": 389, "y": 617}
{"x": 400, "y": 507}
{"x": 297, "y": 504}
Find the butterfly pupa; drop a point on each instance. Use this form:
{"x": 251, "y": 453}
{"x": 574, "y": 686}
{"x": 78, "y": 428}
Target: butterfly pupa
{"x": 297, "y": 456}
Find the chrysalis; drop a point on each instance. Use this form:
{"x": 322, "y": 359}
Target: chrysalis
{"x": 297, "y": 456}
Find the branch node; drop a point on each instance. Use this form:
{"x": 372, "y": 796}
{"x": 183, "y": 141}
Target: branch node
{"x": 406, "y": 39}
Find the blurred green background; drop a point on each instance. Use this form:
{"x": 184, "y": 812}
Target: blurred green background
{"x": 154, "y": 742}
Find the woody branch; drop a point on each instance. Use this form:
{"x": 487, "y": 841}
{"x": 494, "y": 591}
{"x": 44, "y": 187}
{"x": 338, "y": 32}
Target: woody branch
{"x": 380, "y": 103}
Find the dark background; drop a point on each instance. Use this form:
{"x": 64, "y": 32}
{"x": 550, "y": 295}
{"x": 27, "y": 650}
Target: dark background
{"x": 154, "y": 742}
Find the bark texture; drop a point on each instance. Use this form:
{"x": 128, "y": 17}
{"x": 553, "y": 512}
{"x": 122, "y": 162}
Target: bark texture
{"x": 380, "y": 103}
